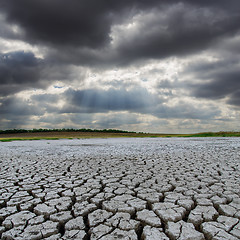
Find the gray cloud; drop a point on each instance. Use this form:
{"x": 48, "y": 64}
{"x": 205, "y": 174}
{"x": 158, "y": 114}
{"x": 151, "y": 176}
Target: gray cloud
{"x": 79, "y": 31}
{"x": 5, "y": 29}
{"x": 60, "y": 22}
{"x": 18, "y": 71}
{"x": 77, "y": 23}
{"x": 23, "y": 70}
{"x": 165, "y": 30}
{"x": 133, "y": 101}
{"x": 184, "y": 110}
{"x": 235, "y": 99}
{"x": 17, "y": 106}
{"x": 115, "y": 120}
{"x": 177, "y": 30}
{"x": 46, "y": 102}
{"x": 18, "y": 112}
{"x": 218, "y": 80}
{"x": 96, "y": 100}
{"x": 93, "y": 108}
{"x": 46, "y": 98}
{"x": 18, "y": 67}
{"x": 220, "y": 87}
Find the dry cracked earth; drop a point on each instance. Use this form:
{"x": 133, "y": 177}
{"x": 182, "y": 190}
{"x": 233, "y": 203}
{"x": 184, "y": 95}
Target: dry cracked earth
{"x": 103, "y": 189}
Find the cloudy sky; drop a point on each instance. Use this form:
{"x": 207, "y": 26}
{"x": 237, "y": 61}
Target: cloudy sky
{"x": 148, "y": 65}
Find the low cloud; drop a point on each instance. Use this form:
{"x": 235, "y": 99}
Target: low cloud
{"x": 98, "y": 100}
{"x": 19, "y": 107}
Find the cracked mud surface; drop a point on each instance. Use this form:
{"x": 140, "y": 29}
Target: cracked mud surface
{"x": 148, "y": 189}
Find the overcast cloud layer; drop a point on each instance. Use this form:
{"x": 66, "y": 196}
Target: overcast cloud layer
{"x": 153, "y": 66}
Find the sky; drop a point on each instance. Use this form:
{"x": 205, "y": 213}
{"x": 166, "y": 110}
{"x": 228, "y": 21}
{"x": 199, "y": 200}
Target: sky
{"x": 162, "y": 66}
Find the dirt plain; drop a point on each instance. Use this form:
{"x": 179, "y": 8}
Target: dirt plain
{"x": 120, "y": 188}
{"x": 62, "y": 135}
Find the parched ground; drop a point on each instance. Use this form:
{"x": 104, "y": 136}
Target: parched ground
{"x": 149, "y": 189}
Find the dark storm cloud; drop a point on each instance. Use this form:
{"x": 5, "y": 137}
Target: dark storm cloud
{"x": 162, "y": 31}
{"x": 59, "y": 22}
{"x": 18, "y": 67}
{"x": 23, "y": 70}
{"x": 218, "y": 80}
{"x": 222, "y": 86}
{"x": 235, "y": 98}
{"x": 79, "y": 31}
{"x": 5, "y": 30}
{"x": 18, "y": 71}
{"x": 84, "y": 23}
{"x": 178, "y": 30}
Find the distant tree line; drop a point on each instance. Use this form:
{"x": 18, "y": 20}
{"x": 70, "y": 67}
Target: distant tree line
{"x": 62, "y": 130}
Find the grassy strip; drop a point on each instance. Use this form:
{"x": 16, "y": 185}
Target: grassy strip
{"x": 74, "y": 135}
{"x": 214, "y": 134}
